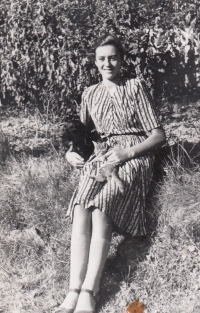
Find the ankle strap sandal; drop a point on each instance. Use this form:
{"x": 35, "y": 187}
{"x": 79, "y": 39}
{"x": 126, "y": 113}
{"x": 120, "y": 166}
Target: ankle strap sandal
{"x": 95, "y": 297}
{"x": 91, "y": 292}
{"x": 64, "y": 310}
{"x": 75, "y": 290}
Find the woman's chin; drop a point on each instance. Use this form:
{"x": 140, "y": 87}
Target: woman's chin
{"x": 109, "y": 76}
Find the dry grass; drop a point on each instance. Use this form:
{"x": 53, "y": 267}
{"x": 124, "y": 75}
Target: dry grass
{"x": 168, "y": 280}
{"x": 35, "y": 235}
{"x": 31, "y": 132}
{"x": 35, "y": 241}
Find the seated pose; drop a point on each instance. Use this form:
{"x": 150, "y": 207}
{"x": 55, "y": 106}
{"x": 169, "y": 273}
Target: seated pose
{"x": 123, "y": 114}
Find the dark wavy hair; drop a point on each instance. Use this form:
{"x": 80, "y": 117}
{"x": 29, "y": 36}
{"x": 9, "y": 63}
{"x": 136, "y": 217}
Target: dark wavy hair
{"x": 109, "y": 39}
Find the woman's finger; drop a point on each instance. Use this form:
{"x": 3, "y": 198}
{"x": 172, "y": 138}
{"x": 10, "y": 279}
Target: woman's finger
{"x": 112, "y": 160}
{"x": 79, "y": 163}
{"x": 73, "y": 156}
{"x": 78, "y": 157}
{"x": 75, "y": 159}
{"x": 107, "y": 154}
{"x": 78, "y": 166}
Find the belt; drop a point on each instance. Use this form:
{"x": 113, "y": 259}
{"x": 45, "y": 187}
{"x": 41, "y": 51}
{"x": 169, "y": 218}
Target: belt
{"x": 142, "y": 133}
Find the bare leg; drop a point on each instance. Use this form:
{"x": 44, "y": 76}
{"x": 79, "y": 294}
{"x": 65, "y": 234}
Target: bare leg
{"x": 80, "y": 244}
{"x": 99, "y": 248}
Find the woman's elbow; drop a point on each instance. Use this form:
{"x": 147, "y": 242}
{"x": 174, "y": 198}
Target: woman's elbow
{"x": 162, "y": 139}
{"x": 160, "y": 135}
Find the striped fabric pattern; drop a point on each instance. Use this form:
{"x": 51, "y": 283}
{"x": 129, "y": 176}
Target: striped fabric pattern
{"x": 125, "y": 119}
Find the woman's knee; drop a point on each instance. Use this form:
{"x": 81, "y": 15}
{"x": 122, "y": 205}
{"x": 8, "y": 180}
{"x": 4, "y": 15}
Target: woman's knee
{"x": 101, "y": 225}
{"x": 82, "y": 220}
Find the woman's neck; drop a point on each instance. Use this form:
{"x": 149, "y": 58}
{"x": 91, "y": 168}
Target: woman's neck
{"x": 111, "y": 85}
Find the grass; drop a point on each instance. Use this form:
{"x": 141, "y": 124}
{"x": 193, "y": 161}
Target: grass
{"x": 35, "y": 243}
{"x": 35, "y": 235}
{"x": 168, "y": 279}
{"x": 163, "y": 271}
{"x": 31, "y": 132}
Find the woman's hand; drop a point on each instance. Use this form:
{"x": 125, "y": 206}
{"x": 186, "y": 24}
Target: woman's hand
{"x": 74, "y": 159}
{"x": 118, "y": 155}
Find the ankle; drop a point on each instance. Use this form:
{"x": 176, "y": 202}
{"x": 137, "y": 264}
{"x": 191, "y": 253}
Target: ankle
{"x": 93, "y": 288}
{"x": 86, "y": 301}
{"x": 76, "y": 290}
{"x": 76, "y": 286}
{"x": 76, "y": 283}
{"x": 71, "y": 299}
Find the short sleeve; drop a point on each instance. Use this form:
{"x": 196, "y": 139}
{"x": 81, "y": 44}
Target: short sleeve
{"x": 145, "y": 108}
{"x": 85, "y": 116}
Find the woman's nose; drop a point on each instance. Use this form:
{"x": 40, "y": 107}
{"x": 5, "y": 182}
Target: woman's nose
{"x": 107, "y": 62}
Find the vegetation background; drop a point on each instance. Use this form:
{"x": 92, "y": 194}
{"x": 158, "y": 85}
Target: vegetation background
{"x": 46, "y": 62}
{"x": 47, "y": 57}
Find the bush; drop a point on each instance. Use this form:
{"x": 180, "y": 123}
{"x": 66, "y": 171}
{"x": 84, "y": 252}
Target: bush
{"x": 46, "y": 47}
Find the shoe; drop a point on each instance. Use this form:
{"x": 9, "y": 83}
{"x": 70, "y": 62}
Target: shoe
{"x": 64, "y": 310}
{"x": 95, "y": 297}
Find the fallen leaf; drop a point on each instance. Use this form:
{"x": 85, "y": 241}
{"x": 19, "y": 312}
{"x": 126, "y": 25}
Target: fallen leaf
{"x": 136, "y": 307}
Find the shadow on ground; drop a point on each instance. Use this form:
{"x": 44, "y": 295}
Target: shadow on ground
{"x": 126, "y": 252}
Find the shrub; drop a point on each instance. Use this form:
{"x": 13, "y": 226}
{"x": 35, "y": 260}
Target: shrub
{"x": 46, "y": 59}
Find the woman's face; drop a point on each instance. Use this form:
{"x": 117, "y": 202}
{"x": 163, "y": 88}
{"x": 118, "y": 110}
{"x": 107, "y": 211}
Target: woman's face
{"x": 108, "y": 61}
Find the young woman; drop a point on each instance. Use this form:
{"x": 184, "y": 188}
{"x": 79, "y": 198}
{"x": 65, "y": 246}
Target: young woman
{"x": 122, "y": 112}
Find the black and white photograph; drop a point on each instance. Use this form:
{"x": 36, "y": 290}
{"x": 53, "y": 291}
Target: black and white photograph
{"x": 99, "y": 156}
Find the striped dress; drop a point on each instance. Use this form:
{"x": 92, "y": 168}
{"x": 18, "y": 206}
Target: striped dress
{"x": 125, "y": 119}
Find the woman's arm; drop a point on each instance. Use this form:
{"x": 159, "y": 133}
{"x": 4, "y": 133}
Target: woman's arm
{"x": 155, "y": 140}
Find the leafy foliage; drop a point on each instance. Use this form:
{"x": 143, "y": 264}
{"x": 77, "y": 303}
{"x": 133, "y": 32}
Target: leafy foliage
{"x": 47, "y": 58}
